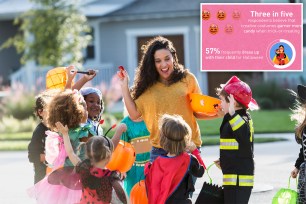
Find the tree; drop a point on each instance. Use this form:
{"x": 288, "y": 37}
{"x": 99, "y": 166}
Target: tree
{"x": 53, "y": 33}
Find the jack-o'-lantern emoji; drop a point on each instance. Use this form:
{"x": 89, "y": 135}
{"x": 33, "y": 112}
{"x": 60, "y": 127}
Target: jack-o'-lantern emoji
{"x": 221, "y": 15}
{"x": 205, "y": 15}
{"x": 228, "y": 28}
{"x": 236, "y": 14}
{"x": 213, "y": 29}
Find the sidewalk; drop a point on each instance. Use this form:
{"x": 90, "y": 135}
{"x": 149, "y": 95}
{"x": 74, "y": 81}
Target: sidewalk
{"x": 273, "y": 164}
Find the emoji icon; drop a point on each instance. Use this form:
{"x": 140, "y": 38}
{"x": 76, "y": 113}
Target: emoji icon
{"x": 205, "y": 15}
{"x": 213, "y": 29}
{"x": 228, "y": 28}
{"x": 221, "y": 15}
{"x": 236, "y": 14}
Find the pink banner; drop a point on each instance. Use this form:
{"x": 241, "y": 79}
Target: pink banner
{"x": 251, "y": 37}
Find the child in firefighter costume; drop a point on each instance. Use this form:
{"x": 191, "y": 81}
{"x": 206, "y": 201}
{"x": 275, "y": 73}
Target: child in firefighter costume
{"x": 169, "y": 178}
{"x": 236, "y": 141}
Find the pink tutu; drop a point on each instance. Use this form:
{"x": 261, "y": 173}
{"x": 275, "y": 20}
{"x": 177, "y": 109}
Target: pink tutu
{"x": 60, "y": 187}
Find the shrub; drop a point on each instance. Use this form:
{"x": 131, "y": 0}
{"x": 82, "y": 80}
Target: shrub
{"x": 19, "y": 103}
{"x": 265, "y": 103}
{"x": 9, "y": 124}
{"x": 270, "y": 95}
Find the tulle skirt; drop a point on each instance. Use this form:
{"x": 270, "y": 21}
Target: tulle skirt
{"x": 55, "y": 189}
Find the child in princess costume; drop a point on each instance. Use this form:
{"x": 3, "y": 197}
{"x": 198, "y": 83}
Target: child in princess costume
{"x": 138, "y": 135}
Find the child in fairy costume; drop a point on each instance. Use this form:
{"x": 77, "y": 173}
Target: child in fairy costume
{"x": 138, "y": 135}
{"x": 99, "y": 185}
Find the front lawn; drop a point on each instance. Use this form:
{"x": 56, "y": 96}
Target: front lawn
{"x": 274, "y": 121}
{"x": 264, "y": 122}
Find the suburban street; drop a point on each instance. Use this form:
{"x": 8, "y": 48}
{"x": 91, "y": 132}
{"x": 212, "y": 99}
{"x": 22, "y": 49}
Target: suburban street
{"x": 274, "y": 162}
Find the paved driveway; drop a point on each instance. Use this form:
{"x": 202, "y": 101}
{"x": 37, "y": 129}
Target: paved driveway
{"x": 273, "y": 161}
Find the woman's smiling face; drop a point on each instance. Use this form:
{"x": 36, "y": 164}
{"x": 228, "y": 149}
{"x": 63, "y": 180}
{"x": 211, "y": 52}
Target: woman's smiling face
{"x": 163, "y": 64}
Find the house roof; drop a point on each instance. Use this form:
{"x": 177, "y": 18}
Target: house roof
{"x": 9, "y": 9}
{"x": 143, "y": 9}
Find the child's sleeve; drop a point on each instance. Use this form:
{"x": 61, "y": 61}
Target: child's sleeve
{"x": 240, "y": 128}
{"x": 197, "y": 154}
{"x": 196, "y": 169}
{"x": 147, "y": 168}
{"x": 36, "y": 146}
{"x": 300, "y": 159}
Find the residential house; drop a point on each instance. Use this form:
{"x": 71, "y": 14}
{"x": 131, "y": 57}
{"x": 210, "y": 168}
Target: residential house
{"x": 120, "y": 27}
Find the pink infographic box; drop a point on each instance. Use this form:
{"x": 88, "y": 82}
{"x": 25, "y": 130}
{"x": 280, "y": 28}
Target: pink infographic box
{"x": 251, "y": 37}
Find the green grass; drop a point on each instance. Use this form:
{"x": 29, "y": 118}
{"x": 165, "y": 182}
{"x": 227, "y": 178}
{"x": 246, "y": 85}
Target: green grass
{"x": 16, "y": 136}
{"x": 13, "y": 145}
{"x": 276, "y": 121}
{"x": 208, "y": 141}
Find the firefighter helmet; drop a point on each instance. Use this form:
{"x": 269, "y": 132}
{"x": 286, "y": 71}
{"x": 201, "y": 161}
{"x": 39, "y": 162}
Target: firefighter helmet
{"x": 241, "y": 92}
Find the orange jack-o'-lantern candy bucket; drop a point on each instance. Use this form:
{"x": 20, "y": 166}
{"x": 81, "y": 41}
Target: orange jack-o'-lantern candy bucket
{"x": 56, "y": 78}
{"x": 122, "y": 158}
{"x": 138, "y": 193}
{"x": 204, "y": 104}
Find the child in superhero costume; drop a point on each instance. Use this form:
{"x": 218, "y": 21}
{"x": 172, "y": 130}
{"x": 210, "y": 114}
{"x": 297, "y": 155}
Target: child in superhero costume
{"x": 169, "y": 178}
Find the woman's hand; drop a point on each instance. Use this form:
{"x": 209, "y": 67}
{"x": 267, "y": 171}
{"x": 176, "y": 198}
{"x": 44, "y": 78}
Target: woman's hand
{"x": 123, "y": 76}
{"x": 294, "y": 172}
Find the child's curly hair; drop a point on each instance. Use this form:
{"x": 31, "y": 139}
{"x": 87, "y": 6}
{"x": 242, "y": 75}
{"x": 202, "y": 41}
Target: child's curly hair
{"x": 68, "y": 107}
{"x": 175, "y": 133}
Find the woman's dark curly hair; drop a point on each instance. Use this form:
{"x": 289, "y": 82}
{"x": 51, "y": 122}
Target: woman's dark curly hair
{"x": 67, "y": 108}
{"x": 146, "y": 74}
